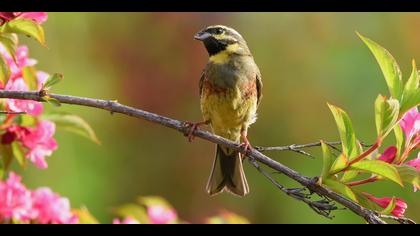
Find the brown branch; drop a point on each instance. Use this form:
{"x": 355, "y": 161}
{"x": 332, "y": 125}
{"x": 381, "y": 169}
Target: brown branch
{"x": 115, "y": 107}
{"x": 401, "y": 220}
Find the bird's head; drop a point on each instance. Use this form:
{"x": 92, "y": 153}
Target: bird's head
{"x": 222, "y": 39}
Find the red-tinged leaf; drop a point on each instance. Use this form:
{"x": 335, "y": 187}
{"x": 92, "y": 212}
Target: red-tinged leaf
{"x": 340, "y": 163}
{"x": 380, "y": 168}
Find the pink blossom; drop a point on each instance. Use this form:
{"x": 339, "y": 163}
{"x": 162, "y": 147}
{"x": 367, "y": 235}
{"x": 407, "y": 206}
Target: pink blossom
{"x": 15, "y": 200}
{"x": 30, "y": 107}
{"x": 416, "y": 164}
{"x": 22, "y": 60}
{"x": 51, "y": 208}
{"x": 400, "y": 205}
{"x": 161, "y": 215}
{"x": 389, "y": 154}
{"x": 13, "y": 133}
{"x": 42, "y": 78}
{"x": 126, "y": 221}
{"x": 38, "y": 17}
{"x": 40, "y": 142}
{"x": 410, "y": 124}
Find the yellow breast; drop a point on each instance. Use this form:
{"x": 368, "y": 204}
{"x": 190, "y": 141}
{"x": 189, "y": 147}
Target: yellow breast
{"x": 229, "y": 111}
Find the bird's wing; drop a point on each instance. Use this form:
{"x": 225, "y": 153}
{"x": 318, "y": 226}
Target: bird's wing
{"x": 202, "y": 78}
{"x": 259, "y": 87}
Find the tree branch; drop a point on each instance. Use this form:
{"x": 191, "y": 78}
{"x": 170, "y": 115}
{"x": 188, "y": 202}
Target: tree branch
{"x": 115, "y": 107}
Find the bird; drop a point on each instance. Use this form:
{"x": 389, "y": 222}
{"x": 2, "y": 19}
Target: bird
{"x": 230, "y": 93}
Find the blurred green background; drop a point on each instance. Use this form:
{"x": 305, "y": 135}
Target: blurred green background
{"x": 150, "y": 61}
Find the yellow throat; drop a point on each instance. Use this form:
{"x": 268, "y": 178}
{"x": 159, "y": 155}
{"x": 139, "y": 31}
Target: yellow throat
{"x": 222, "y": 57}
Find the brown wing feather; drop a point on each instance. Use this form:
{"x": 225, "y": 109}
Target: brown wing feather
{"x": 259, "y": 88}
{"x": 202, "y": 79}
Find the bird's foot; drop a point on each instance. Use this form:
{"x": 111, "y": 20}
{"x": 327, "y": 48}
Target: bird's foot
{"x": 246, "y": 145}
{"x": 192, "y": 128}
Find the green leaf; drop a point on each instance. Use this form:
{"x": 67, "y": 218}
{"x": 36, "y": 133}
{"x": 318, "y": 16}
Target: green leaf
{"x": 2, "y": 171}
{"x": 227, "y": 218}
{"x": 389, "y": 67}
{"x": 391, "y": 206}
{"x": 134, "y": 211}
{"x": 26, "y": 120}
{"x": 52, "y": 101}
{"x": 339, "y": 164}
{"x": 10, "y": 42}
{"x": 411, "y": 98}
{"x": 26, "y": 27}
{"x": 386, "y": 115}
{"x": 409, "y": 175}
{"x": 349, "y": 175}
{"x": 399, "y": 140}
{"x": 413, "y": 81}
{"x": 4, "y": 71}
{"x": 72, "y": 123}
{"x": 19, "y": 154}
{"x": 380, "y": 168}
{"x": 85, "y": 217}
{"x": 52, "y": 80}
{"x": 345, "y": 128}
{"x": 29, "y": 75}
{"x": 328, "y": 160}
{"x": 153, "y": 201}
{"x": 6, "y": 156}
{"x": 339, "y": 187}
{"x": 411, "y": 95}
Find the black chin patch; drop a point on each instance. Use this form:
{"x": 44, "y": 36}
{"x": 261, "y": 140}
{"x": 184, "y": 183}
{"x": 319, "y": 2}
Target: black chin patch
{"x": 214, "y": 46}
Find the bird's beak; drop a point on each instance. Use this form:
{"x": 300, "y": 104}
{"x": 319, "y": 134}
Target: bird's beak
{"x": 202, "y": 36}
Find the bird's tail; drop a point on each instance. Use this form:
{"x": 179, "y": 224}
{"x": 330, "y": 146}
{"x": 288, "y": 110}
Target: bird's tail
{"x": 227, "y": 173}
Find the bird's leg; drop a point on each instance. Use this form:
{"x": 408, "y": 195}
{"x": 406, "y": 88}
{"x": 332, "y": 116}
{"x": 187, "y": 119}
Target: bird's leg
{"x": 193, "y": 127}
{"x": 246, "y": 144}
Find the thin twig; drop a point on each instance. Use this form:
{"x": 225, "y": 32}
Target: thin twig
{"x": 295, "y": 146}
{"x": 115, "y": 107}
{"x": 12, "y": 113}
{"x": 323, "y": 207}
{"x": 401, "y": 220}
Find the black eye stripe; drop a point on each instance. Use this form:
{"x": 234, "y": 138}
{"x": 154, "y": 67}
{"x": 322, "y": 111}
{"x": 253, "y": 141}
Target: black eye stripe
{"x": 216, "y": 31}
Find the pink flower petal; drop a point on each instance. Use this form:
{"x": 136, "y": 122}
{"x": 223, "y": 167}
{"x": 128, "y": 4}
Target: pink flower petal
{"x": 410, "y": 124}
{"x": 389, "y": 154}
{"x": 38, "y": 17}
{"x": 15, "y": 200}
{"x": 126, "y": 221}
{"x": 30, "y": 107}
{"x": 400, "y": 205}
{"x": 40, "y": 142}
{"x": 51, "y": 208}
{"x": 161, "y": 215}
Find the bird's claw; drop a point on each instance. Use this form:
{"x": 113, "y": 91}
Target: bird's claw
{"x": 246, "y": 146}
{"x": 192, "y": 128}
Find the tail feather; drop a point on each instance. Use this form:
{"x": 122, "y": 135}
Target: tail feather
{"x": 227, "y": 173}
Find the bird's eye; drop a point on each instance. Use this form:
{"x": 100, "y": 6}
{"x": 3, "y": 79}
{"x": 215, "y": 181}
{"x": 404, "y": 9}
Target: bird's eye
{"x": 219, "y": 31}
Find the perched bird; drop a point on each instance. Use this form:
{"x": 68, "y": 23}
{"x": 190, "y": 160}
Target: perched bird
{"x": 230, "y": 92}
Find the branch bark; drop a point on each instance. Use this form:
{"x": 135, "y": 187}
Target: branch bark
{"x": 115, "y": 107}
